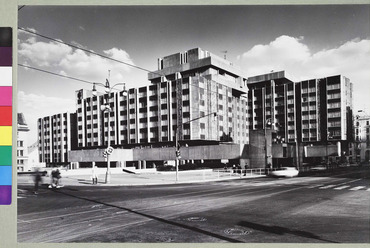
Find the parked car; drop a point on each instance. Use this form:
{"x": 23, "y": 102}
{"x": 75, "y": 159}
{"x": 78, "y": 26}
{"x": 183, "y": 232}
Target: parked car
{"x": 284, "y": 172}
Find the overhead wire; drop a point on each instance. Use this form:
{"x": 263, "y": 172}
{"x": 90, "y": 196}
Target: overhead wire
{"x": 88, "y": 51}
{"x": 103, "y": 56}
{"x": 55, "y": 74}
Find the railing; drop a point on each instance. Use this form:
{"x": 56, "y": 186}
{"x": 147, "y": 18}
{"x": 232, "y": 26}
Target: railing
{"x": 242, "y": 172}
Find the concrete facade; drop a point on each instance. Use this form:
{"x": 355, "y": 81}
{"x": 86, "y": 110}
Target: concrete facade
{"x": 22, "y": 143}
{"x": 313, "y": 114}
{"x": 196, "y": 93}
{"x": 219, "y": 152}
{"x": 56, "y": 137}
{"x": 362, "y": 137}
{"x": 299, "y": 118}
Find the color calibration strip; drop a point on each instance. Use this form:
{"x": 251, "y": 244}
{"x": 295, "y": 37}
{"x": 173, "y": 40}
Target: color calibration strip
{"x": 5, "y": 115}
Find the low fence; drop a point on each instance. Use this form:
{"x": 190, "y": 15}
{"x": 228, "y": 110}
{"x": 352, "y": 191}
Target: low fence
{"x": 242, "y": 172}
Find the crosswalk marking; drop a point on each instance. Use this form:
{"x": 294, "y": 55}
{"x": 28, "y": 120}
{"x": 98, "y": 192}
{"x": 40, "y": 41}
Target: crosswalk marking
{"x": 342, "y": 187}
{"x": 338, "y": 187}
{"x": 327, "y": 186}
{"x": 357, "y": 188}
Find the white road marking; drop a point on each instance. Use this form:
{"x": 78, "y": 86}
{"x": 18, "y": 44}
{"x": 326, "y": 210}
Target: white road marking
{"x": 342, "y": 187}
{"x": 327, "y": 186}
{"x": 357, "y": 188}
{"x": 314, "y": 186}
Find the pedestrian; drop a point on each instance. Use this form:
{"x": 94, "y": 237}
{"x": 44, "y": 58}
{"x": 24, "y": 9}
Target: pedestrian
{"x": 245, "y": 171}
{"x": 37, "y": 180}
{"x": 58, "y": 177}
{"x": 55, "y": 177}
{"x": 94, "y": 175}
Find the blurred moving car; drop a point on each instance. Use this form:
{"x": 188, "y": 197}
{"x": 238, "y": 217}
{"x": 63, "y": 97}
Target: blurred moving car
{"x": 318, "y": 168}
{"x": 284, "y": 172}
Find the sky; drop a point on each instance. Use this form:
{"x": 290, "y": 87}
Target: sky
{"x": 306, "y": 41}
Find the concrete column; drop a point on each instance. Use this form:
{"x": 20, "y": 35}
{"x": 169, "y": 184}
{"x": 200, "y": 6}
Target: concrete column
{"x": 75, "y": 165}
{"x": 139, "y": 165}
{"x": 144, "y": 164}
{"x": 242, "y": 163}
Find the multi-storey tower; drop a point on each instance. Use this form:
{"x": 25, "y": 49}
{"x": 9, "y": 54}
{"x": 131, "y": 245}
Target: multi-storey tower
{"x": 184, "y": 92}
{"x": 272, "y": 105}
{"x": 325, "y": 105}
{"x": 56, "y": 137}
{"x": 311, "y": 113}
{"x": 202, "y": 83}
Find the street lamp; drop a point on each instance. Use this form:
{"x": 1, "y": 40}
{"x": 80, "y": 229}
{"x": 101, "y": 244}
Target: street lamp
{"x": 268, "y": 123}
{"x": 106, "y": 109}
{"x": 329, "y": 136}
{"x": 177, "y": 145}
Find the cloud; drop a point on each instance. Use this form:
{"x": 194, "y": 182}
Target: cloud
{"x": 61, "y": 58}
{"x": 351, "y": 59}
{"x": 35, "y": 106}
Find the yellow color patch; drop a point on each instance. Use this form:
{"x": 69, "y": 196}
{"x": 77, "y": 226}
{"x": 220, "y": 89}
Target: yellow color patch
{"x": 5, "y": 136}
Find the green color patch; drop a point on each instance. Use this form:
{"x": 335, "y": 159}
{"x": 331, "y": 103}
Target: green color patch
{"x": 5, "y": 155}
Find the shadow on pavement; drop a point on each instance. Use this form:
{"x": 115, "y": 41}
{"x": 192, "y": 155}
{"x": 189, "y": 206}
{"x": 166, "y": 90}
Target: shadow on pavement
{"x": 195, "y": 229}
{"x": 281, "y": 230}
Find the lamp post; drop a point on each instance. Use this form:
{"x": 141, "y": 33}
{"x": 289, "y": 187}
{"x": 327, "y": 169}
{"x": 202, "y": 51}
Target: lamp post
{"x": 177, "y": 145}
{"x": 329, "y": 136}
{"x": 279, "y": 140}
{"x": 107, "y": 109}
{"x": 268, "y": 123}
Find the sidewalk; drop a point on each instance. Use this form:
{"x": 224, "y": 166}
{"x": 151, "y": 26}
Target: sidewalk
{"x": 158, "y": 178}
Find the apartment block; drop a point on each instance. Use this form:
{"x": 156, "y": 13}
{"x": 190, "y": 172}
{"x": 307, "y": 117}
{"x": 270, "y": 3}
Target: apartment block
{"x": 325, "y": 105}
{"x": 272, "y": 105}
{"x": 56, "y": 137}
{"x": 313, "y": 115}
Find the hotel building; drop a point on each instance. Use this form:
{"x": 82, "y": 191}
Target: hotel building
{"x": 214, "y": 109}
{"x": 198, "y": 94}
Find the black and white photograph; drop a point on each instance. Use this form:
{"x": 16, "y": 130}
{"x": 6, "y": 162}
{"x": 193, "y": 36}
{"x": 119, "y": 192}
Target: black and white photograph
{"x": 193, "y": 124}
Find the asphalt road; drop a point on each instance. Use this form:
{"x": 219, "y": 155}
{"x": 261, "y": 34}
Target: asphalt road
{"x": 318, "y": 208}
